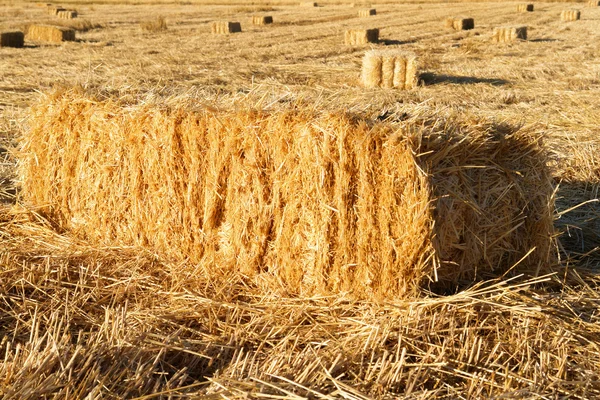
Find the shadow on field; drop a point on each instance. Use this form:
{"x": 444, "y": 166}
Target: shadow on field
{"x": 543, "y": 40}
{"x": 390, "y": 42}
{"x": 430, "y": 78}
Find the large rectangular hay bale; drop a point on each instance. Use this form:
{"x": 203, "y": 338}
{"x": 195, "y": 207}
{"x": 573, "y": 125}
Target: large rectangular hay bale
{"x": 308, "y": 4}
{"x": 390, "y": 69}
{"x": 570, "y": 15}
{"x": 262, "y": 19}
{"x": 356, "y": 37}
{"x": 49, "y": 33}
{"x": 223, "y": 27}
{"x": 67, "y": 14}
{"x": 367, "y": 12}
{"x": 509, "y": 34}
{"x": 12, "y": 39}
{"x": 525, "y": 7}
{"x": 316, "y": 203}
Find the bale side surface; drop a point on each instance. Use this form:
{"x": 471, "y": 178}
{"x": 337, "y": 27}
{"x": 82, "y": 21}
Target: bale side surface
{"x": 315, "y": 203}
{"x": 367, "y": 12}
{"x": 12, "y": 39}
{"x": 525, "y": 7}
{"x": 361, "y": 36}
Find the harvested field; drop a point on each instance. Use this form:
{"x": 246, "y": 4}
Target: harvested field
{"x": 104, "y": 310}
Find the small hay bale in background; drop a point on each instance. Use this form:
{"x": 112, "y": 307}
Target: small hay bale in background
{"x": 449, "y": 22}
{"x": 49, "y": 33}
{"x": 12, "y": 39}
{"x": 67, "y": 14}
{"x": 367, "y": 12}
{"x": 463, "y": 24}
{"x": 224, "y": 27}
{"x": 262, "y": 20}
{"x": 54, "y": 10}
{"x": 507, "y": 34}
{"x": 525, "y": 7}
{"x": 389, "y": 69}
{"x": 241, "y": 194}
{"x": 594, "y": 3}
{"x": 570, "y": 15}
{"x": 308, "y": 4}
{"x": 361, "y": 36}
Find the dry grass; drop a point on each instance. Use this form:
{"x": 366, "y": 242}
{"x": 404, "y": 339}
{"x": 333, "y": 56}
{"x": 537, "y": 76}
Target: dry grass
{"x": 120, "y": 322}
{"x": 157, "y": 25}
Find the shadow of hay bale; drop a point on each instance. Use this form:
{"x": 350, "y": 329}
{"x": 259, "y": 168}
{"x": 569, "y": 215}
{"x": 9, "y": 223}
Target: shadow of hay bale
{"x": 431, "y": 78}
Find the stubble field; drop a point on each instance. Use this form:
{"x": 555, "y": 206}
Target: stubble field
{"x": 79, "y": 320}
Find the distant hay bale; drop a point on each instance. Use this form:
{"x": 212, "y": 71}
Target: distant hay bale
{"x": 509, "y": 34}
{"x": 463, "y": 24}
{"x": 594, "y": 3}
{"x": 449, "y": 22}
{"x": 367, "y": 12}
{"x": 570, "y": 15}
{"x": 67, "y": 14}
{"x": 389, "y": 69}
{"x": 262, "y": 20}
{"x": 308, "y": 4}
{"x": 49, "y": 33}
{"x": 316, "y": 203}
{"x": 12, "y": 39}
{"x": 356, "y": 37}
{"x": 222, "y": 27}
{"x": 525, "y": 7}
{"x": 54, "y": 10}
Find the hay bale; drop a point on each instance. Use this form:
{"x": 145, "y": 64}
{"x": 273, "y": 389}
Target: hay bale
{"x": 570, "y": 15}
{"x": 316, "y": 203}
{"x": 308, "y": 4}
{"x": 449, "y": 22}
{"x": 594, "y": 3}
{"x": 12, "y": 39}
{"x": 509, "y": 34}
{"x": 463, "y": 24}
{"x": 49, "y": 33}
{"x": 389, "y": 69}
{"x": 525, "y": 7}
{"x": 262, "y": 20}
{"x": 356, "y": 37}
{"x": 222, "y": 27}
{"x": 67, "y": 14}
{"x": 54, "y": 10}
{"x": 367, "y": 12}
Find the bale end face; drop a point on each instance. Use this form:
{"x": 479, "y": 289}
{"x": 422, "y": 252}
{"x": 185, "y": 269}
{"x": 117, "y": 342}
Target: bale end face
{"x": 389, "y": 69}
{"x": 12, "y": 39}
{"x": 356, "y": 37}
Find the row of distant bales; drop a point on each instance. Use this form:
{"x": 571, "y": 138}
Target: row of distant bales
{"x": 381, "y": 68}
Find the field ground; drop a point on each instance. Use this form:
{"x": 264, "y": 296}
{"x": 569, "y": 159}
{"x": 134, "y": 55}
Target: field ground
{"x": 79, "y": 321}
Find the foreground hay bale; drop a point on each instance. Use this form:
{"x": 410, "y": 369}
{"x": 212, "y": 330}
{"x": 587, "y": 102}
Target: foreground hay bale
{"x": 525, "y": 7}
{"x": 12, "y": 39}
{"x": 261, "y": 20}
{"x": 48, "y": 33}
{"x": 221, "y": 27}
{"x": 570, "y": 15}
{"x": 389, "y": 68}
{"x": 356, "y": 37}
{"x": 367, "y": 12}
{"x": 509, "y": 34}
{"x": 67, "y": 14}
{"x": 313, "y": 203}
